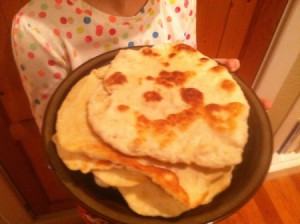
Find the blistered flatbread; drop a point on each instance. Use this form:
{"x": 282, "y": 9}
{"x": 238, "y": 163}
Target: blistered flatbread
{"x": 188, "y": 185}
{"x": 155, "y": 111}
{"x": 173, "y": 104}
{"x": 148, "y": 199}
{"x": 119, "y": 177}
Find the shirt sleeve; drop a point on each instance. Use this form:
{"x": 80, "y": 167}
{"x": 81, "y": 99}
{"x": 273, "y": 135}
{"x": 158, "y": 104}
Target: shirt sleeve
{"x": 180, "y": 17}
{"x": 42, "y": 63}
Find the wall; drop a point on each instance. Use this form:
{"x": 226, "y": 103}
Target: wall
{"x": 287, "y": 96}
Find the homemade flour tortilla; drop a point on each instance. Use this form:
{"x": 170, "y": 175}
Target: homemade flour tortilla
{"x": 171, "y": 103}
{"x": 119, "y": 177}
{"x": 83, "y": 140}
{"x": 187, "y": 184}
{"x": 149, "y": 199}
{"x": 79, "y": 161}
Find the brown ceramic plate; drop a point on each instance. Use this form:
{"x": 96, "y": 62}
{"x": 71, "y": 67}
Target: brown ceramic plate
{"x": 109, "y": 204}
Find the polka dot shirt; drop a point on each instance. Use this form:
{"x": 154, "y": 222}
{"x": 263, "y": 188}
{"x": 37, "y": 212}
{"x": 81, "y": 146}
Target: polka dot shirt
{"x": 50, "y": 38}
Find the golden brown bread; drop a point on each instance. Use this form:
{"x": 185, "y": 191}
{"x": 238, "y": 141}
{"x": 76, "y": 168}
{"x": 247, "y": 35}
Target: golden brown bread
{"x": 171, "y": 108}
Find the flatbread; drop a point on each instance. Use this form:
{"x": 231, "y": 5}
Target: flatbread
{"x": 80, "y": 161}
{"x": 148, "y": 199}
{"x": 119, "y": 177}
{"x": 171, "y": 103}
{"x": 73, "y": 114}
{"x": 154, "y": 183}
{"x": 83, "y": 141}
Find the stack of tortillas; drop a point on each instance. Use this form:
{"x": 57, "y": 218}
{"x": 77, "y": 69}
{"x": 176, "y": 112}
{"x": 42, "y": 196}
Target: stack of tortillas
{"x": 165, "y": 125}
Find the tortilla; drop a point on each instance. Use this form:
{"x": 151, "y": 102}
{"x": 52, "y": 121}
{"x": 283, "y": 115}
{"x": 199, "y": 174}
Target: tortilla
{"x": 177, "y": 180}
{"x": 173, "y": 104}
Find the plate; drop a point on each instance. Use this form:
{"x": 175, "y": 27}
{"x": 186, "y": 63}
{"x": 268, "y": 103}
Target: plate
{"x": 109, "y": 204}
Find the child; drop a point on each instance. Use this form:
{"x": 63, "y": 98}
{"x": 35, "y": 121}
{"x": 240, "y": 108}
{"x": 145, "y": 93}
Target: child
{"x": 50, "y": 38}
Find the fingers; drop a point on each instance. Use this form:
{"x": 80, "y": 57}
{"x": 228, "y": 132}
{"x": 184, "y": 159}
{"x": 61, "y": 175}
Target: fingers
{"x": 267, "y": 104}
{"x": 232, "y": 64}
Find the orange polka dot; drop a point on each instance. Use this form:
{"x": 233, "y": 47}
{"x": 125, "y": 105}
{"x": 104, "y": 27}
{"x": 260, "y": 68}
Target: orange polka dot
{"x": 88, "y": 12}
{"x": 56, "y": 31}
{"x": 15, "y": 31}
{"x": 96, "y": 44}
{"x": 79, "y": 11}
{"x": 169, "y": 19}
{"x": 112, "y": 19}
{"x": 57, "y": 75}
{"x": 31, "y": 55}
{"x": 42, "y": 15}
{"x": 41, "y": 73}
{"x": 75, "y": 53}
{"x": 141, "y": 28}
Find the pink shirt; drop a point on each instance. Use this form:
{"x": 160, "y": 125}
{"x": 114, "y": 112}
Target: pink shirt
{"x": 50, "y": 38}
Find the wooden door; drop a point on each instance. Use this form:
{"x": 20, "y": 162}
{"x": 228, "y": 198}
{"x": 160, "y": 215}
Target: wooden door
{"x": 226, "y": 28}
{"x": 21, "y": 153}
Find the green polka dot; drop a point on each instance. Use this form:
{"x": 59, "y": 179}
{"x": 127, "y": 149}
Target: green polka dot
{"x": 21, "y": 33}
{"x": 107, "y": 47}
{"x": 151, "y": 12}
{"x": 45, "y": 85}
{"x": 44, "y": 7}
{"x": 125, "y": 35}
{"x": 80, "y": 29}
{"x": 33, "y": 47}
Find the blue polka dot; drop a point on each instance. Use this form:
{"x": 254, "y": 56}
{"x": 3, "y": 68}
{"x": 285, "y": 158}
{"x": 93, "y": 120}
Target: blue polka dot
{"x": 155, "y": 34}
{"x": 131, "y": 44}
{"x": 87, "y": 20}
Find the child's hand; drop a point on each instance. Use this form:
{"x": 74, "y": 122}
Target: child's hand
{"x": 233, "y": 65}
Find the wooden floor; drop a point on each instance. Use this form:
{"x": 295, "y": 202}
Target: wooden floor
{"x": 277, "y": 201}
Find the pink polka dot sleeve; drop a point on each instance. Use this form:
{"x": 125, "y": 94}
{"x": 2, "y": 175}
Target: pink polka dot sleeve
{"x": 52, "y": 37}
{"x": 41, "y": 64}
{"x": 180, "y": 20}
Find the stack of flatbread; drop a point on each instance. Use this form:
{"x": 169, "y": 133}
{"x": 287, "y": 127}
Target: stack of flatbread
{"x": 165, "y": 125}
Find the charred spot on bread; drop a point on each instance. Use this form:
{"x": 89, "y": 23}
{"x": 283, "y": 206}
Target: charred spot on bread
{"x": 122, "y": 107}
{"x": 117, "y": 78}
{"x": 192, "y": 96}
{"x": 228, "y": 85}
{"x": 222, "y": 117}
{"x": 152, "y": 96}
{"x": 218, "y": 69}
{"x": 184, "y": 47}
{"x": 148, "y": 51}
{"x": 171, "y": 78}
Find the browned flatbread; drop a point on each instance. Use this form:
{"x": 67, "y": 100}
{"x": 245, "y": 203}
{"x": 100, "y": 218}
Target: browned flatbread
{"x": 185, "y": 183}
{"x": 173, "y": 104}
